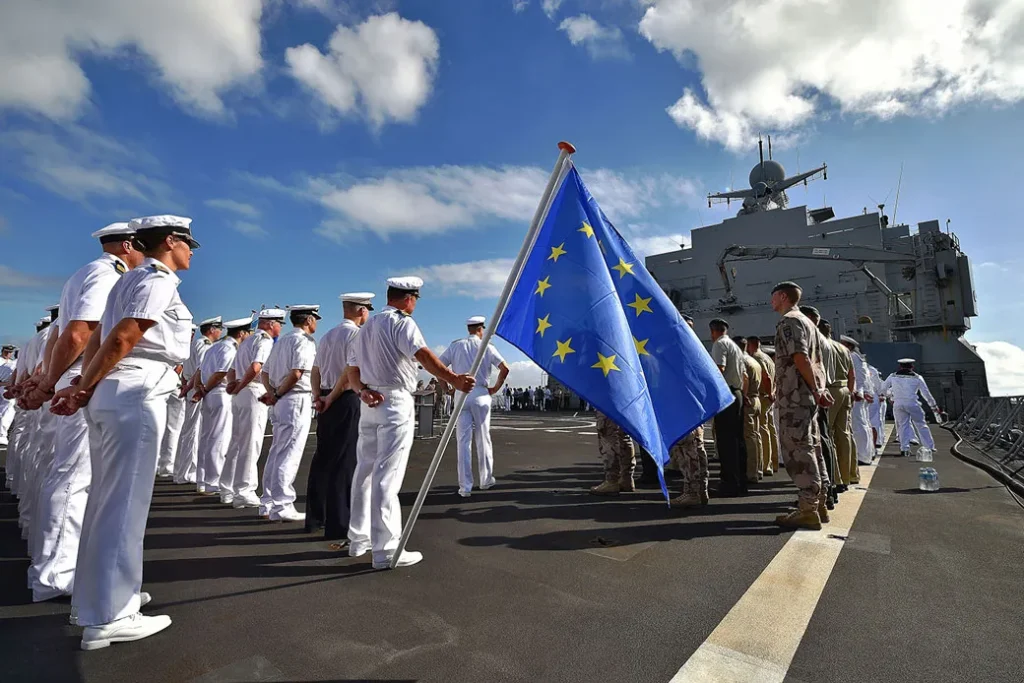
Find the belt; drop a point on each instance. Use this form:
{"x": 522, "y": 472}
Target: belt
{"x": 837, "y": 385}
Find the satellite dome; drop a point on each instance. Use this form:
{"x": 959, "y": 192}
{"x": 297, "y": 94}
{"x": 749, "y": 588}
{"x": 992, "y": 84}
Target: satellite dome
{"x": 770, "y": 172}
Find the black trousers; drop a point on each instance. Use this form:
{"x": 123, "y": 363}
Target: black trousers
{"x": 329, "y": 488}
{"x": 731, "y": 447}
{"x": 828, "y": 446}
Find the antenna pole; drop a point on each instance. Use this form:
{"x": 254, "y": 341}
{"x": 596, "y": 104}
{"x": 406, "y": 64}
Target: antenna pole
{"x": 897, "y": 204}
{"x": 769, "y": 147}
{"x": 760, "y": 150}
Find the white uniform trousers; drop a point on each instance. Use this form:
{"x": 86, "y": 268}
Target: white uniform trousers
{"x": 861, "y": 427}
{"x": 42, "y": 458}
{"x": 214, "y": 437}
{"x": 910, "y": 419}
{"x": 188, "y": 443}
{"x": 61, "y": 509}
{"x": 16, "y": 440}
{"x": 127, "y": 418}
{"x": 877, "y": 411}
{"x": 26, "y": 456}
{"x": 6, "y": 418}
{"x": 248, "y": 427}
{"x": 292, "y": 414}
{"x": 385, "y": 439}
{"x": 172, "y": 434}
{"x": 475, "y": 426}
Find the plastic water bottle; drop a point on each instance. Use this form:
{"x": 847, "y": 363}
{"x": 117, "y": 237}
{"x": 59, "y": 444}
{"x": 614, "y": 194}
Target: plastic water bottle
{"x": 933, "y": 479}
{"x": 923, "y": 482}
{"x": 924, "y": 454}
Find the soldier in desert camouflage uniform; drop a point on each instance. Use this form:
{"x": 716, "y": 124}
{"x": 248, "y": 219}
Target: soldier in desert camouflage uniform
{"x": 618, "y": 457}
{"x": 690, "y": 458}
{"x": 800, "y": 390}
{"x": 769, "y": 438}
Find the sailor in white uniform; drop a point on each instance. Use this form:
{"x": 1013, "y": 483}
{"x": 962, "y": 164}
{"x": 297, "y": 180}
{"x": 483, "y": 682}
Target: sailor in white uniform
{"x": 864, "y": 395}
{"x": 65, "y": 486}
{"x": 8, "y": 367}
{"x": 186, "y": 461}
{"x": 475, "y": 419}
{"x": 248, "y": 413}
{"x": 904, "y": 386}
{"x": 286, "y": 377}
{"x": 876, "y": 410}
{"x": 23, "y": 427}
{"x": 211, "y": 391}
{"x": 144, "y": 334}
{"x": 172, "y": 433}
{"x": 383, "y": 368}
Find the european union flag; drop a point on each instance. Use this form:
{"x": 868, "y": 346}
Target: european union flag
{"x": 587, "y": 311}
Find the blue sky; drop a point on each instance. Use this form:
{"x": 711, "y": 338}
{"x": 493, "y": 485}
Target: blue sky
{"x": 321, "y": 145}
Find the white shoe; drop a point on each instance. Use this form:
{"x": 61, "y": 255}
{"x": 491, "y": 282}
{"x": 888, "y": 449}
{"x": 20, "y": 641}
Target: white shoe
{"x": 144, "y": 599}
{"x": 135, "y": 627}
{"x": 163, "y": 475}
{"x": 464, "y": 494}
{"x": 357, "y": 549}
{"x": 227, "y": 498}
{"x": 288, "y": 516}
{"x": 408, "y": 558}
{"x": 243, "y": 502}
{"x": 490, "y": 484}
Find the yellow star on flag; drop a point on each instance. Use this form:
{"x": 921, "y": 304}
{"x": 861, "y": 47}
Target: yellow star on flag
{"x": 543, "y": 324}
{"x": 624, "y": 268}
{"x": 564, "y": 349}
{"x": 641, "y": 346}
{"x": 641, "y": 305}
{"x": 556, "y": 252}
{"x": 606, "y": 364}
{"x": 542, "y": 286}
{"x": 587, "y": 230}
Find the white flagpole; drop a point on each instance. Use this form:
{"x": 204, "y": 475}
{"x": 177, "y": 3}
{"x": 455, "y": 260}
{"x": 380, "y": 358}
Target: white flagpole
{"x": 561, "y": 168}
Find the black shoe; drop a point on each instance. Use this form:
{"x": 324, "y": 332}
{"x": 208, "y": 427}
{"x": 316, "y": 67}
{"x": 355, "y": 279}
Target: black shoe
{"x": 829, "y": 505}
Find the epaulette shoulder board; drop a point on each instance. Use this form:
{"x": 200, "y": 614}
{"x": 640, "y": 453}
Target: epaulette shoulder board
{"x": 161, "y": 268}
{"x": 120, "y": 268}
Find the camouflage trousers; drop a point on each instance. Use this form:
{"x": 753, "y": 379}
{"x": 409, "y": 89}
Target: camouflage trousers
{"x": 616, "y": 449}
{"x": 690, "y": 458}
{"x": 799, "y": 441}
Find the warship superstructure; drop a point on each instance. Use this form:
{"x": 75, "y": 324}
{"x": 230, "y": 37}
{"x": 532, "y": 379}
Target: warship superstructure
{"x": 900, "y": 292}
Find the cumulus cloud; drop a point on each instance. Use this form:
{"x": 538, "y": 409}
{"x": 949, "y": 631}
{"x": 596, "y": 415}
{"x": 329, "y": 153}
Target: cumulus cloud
{"x": 435, "y": 199}
{"x": 248, "y": 229}
{"x": 1004, "y": 363}
{"x": 550, "y": 7}
{"x": 16, "y": 279}
{"x": 79, "y": 164}
{"x": 241, "y": 208}
{"x": 475, "y": 279}
{"x": 647, "y": 245}
{"x": 525, "y": 373}
{"x": 346, "y": 10}
{"x": 519, "y": 5}
{"x": 197, "y": 49}
{"x": 382, "y": 69}
{"x": 776, "y": 63}
{"x": 600, "y": 42}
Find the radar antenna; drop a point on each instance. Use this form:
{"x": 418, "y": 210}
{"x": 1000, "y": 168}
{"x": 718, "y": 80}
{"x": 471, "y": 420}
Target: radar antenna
{"x": 768, "y": 184}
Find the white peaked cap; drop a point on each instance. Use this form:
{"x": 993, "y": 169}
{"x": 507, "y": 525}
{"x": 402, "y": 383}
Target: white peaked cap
{"x": 164, "y": 221}
{"x": 210, "y": 321}
{"x": 848, "y": 340}
{"x": 238, "y": 322}
{"x": 407, "y": 282}
{"x": 905, "y": 361}
{"x": 271, "y": 314}
{"x": 114, "y": 229}
{"x": 476, "y": 320}
{"x": 313, "y": 309}
{"x": 361, "y": 298}
{"x": 52, "y": 308}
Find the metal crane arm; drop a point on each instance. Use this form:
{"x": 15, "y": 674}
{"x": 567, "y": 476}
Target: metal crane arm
{"x": 856, "y": 255}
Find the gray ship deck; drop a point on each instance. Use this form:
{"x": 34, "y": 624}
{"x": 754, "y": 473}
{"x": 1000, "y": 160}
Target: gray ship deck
{"x": 537, "y": 580}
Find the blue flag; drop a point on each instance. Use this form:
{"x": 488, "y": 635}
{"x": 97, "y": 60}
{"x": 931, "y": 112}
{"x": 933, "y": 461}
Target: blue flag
{"x": 587, "y": 311}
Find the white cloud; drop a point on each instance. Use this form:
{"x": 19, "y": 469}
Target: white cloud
{"x": 241, "y": 208}
{"x": 655, "y": 244}
{"x": 198, "y": 49}
{"x": 346, "y": 10}
{"x": 550, "y": 7}
{"x": 525, "y": 373}
{"x": 248, "y": 229}
{"x": 382, "y": 69}
{"x": 80, "y": 164}
{"x": 600, "y": 42}
{"x": 519, "y": 5}
{"x": 9, "y": 277}
{"x": 475, "y": 279}
{"x": 1004, "y": 363}
{"x": 434, "y": 199}
{"x": 776, "y": 63}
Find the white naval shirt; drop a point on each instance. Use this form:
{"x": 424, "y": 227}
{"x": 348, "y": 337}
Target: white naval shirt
{"x": 85, "y": 296}
{"x": 332, "y": 352}
{"x": 35, "y": 348}
{"x": 904, "y": 389}
{"x": 219, "y": 358}
{"x": 460, "y": 354}
{"x": 150, "y": 292}
{"x": 385, "y": 348}
{"x": 293, "y": 351}
{"x": 255, "y": 349}
{"x": 197, "y": 351}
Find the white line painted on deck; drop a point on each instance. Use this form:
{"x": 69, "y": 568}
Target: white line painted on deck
{"x": 758, "y": 638}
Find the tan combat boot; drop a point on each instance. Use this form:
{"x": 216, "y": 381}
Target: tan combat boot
{"x": 606, "y": 488}
{"x": 687, "y": 500}
{"x": 804, "y": 518}
{"x": 626, "y": 483}
{"x": 822, "y": 510}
